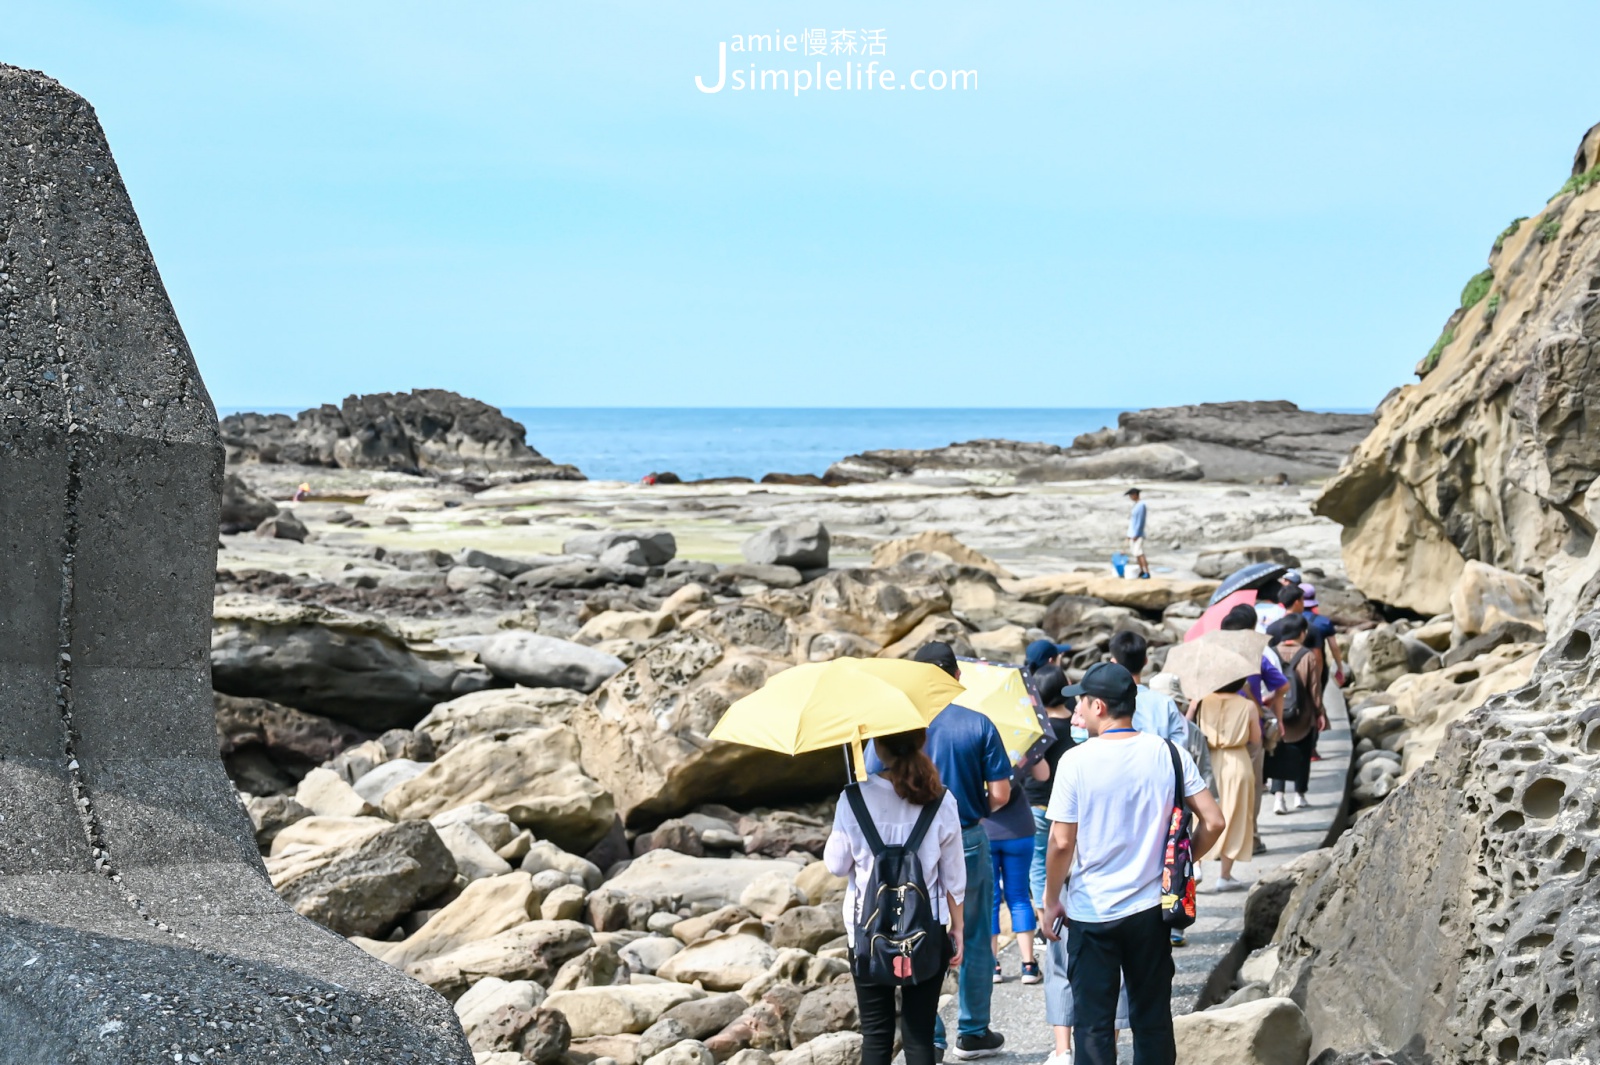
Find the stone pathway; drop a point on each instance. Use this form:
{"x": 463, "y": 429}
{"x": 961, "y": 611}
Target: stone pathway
{"x": 1018, "y": 1009}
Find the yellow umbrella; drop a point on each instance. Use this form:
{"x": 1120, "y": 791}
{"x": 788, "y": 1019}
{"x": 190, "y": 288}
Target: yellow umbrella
{"x": 844, "y": 701}
{"x": 1000, "y": 694}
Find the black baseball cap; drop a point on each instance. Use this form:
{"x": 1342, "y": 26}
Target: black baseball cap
{"x": 938, "y": 653}
{"x": 1108, "y": 681}
{"x": 1131, "y": 492}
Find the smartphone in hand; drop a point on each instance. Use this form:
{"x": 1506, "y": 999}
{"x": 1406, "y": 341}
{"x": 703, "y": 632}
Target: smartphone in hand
{"x": 1058, "y": 927}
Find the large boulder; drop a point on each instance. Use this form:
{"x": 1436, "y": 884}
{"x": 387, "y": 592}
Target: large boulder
{"x": 531, "y": 775}
{"x": 533, "y": 950}
{"x": 537, "y": 661}
{"x": 484, "y": 908}
{"x": 1269, "y": 1031}
{"x": 497, "y": 710}
{"x": 724, "y": 963}
{"x": 638, "y": 547}
{"x": 1378, "y": 657}
{"x": 695, "y": 882}
{"x": 272, "y": 745}
{"x": 623, "y": 1008}
{"x": 362, "y": 890}
{"x": 645, "y": 733}
{"x": 1475, "y": 881}
{"x": 801, "y": 544}
{"x": 874, "y": 605}
{"x": 825, "y": 1010}
{"x": 351, "y": 668}
{"x": 809, "y": 928}
{"x": 243, "y": 508}
{"x": 478, "y": 1007}
{"x": 1490, "y": 457}
{"x": 1485, "y": 597}
{"x": 934, "y": 542}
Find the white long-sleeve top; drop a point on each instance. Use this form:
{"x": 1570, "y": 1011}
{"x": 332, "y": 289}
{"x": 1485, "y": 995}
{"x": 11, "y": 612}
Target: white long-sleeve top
{"x": 944, "y": 861}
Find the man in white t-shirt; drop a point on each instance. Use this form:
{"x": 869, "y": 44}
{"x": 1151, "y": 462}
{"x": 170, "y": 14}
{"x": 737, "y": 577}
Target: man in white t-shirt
{"x": 1110, "y": 805}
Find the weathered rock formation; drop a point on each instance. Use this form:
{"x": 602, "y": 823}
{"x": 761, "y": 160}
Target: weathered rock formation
{"x": 427, "y": 430}
{"x": 1455, "y": 919}
{"x": 1491, "y": 455}
{"x": 345, "y": 666}
{"x": 136, "y": 920}
{"x": 1243, "y": 441}
{"x": 644, "y": 733}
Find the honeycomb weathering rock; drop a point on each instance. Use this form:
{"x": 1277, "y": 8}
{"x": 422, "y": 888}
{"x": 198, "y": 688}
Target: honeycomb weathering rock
{"x": 136, "y": 920}
{"x": 1458, "y": 918}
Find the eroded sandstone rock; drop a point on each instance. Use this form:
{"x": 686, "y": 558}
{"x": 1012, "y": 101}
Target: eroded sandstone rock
{"x": 1475, "y": 881}
{"x": 645, "y": 732}
{"x": 1490, "y": 455}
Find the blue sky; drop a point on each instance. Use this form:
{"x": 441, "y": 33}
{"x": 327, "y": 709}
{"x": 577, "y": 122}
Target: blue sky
{"x": 533, "y": 203}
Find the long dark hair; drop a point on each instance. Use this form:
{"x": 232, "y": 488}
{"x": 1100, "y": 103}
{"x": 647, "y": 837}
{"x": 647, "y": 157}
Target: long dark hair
{"x": 913, "y": 774}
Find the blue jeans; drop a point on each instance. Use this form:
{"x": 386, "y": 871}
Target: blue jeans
{"x": 1013, "y": 859}
{"x": 977, "y": 961}
{"x": 1036, "y": 871}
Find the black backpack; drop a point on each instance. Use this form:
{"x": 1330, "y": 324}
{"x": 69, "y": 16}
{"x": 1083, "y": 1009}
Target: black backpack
{"x": 1297, "y": 700}
{"x": 899, "y": 940}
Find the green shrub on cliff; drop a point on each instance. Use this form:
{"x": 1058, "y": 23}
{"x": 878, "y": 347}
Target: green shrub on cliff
{"x": 1509, "y": 231}
{"x": 1431, "y": 359}
{"x": 1476, "y": 289}
{"x": 1492, "y": 308}
{"x": 1581, "y": 183}
{"x": 1549, "y": 229}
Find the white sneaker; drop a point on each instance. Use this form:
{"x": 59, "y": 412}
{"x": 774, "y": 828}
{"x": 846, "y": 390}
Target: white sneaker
{"x": 1300, "y": 801}
{"x": 1228, "y": 883}
{"x": 1277, "y": 803}
{"x": 1063, "y": 1057}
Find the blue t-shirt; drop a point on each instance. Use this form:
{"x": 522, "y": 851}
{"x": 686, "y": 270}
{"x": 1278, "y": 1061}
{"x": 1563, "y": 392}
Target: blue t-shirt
{"x": 1159, "y": 714}
{"x": 1136, "y": 521}
{"x": 967, "y": 750}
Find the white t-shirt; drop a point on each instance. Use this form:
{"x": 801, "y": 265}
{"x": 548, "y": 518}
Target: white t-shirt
{"x": 1119, "y": 793}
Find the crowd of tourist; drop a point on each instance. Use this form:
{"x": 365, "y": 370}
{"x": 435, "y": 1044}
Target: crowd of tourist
{"x": 1070, "y": 845}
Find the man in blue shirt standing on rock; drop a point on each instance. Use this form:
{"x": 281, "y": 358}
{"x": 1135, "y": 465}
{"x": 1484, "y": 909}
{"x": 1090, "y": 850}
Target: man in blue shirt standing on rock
{"x": 972, "y": 761}
{"x": 1136, "y": 532}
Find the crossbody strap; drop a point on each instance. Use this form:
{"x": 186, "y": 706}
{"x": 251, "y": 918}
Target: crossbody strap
{"x": 869, "y": 831}
{"x": 1177, "y": 774}
{"x": 924, "y": 822}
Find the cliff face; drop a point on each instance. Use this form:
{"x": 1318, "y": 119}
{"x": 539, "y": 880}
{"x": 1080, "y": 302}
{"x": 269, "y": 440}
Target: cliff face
{"x": 1490, "y": 456}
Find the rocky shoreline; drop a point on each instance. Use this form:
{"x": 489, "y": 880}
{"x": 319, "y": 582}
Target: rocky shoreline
{"x": 462, "y": 700}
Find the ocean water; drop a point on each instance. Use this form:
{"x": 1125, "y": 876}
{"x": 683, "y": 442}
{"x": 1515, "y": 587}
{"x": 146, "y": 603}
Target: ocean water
{"x": 625, "y": 443}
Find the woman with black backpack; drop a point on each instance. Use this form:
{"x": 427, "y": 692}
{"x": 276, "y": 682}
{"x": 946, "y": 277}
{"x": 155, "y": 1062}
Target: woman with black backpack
{"x": 1303, "y": 715}
{"x": 897, "y": 842}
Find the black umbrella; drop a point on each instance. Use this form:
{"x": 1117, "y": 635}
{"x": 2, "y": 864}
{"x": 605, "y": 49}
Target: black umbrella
{"x": 1257, "y": 575}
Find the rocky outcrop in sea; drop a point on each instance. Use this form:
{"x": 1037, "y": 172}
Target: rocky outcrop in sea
{"x": 428, "y": 431}
{"x": 1248, "y": 442}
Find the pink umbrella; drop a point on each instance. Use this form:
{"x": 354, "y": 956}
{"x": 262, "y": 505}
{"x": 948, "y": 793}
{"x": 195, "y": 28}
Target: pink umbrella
{"x": 1211, "y": 620}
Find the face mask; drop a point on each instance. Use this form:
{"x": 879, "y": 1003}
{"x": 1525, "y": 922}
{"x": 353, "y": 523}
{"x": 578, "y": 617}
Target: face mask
{"x": 1079, "y": 734}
